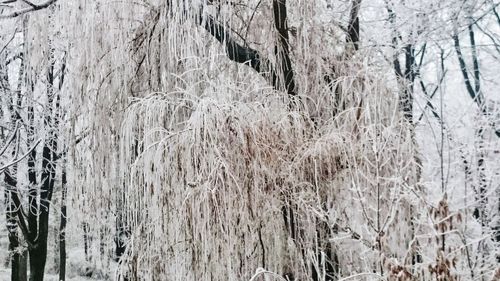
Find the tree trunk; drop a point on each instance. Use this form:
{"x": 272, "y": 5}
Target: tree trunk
{"x": 38, "y": 253}
{"x": 62, "y": 230}
{"x": 17, "y": 258}
{"x": 86, "y": 240}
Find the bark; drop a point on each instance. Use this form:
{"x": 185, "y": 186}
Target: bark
{"x": 121, "y": 236}
{"x": 246, "y": 55}
{"x": 472, "y": 85}
{"x": 476, "y": 96}
{"x": 62, "y": 229}
{"x": 86, "y": 241}
{"x": 406, "y": 77}
{"x": 122, "y": 229}
{"x": 38, "y": 249}
{"x": 32, "y": 175}
{"x": 38, "y": 253}
{"x": 353, "y": 28}
{"x": 479, "y": 212}
{"x": 18, "y": 258}
{"x": 14, "y": 207}
{"x": 283, "y": 48}
{"x": 406, "y": 97}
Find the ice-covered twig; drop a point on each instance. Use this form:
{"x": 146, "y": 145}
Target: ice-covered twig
{"x": 15, "y": 161}
{"x": 32, "y": 8}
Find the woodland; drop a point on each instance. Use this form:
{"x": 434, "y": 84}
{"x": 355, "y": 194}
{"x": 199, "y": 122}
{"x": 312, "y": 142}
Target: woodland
{"x": 250, "y": 140}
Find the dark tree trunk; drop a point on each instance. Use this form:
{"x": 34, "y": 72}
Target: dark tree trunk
{"x": 283, "y": 48}
{"x": 406, "y": 97}
{"x": 17, "y": 259}
{"x": 86, "y": 240}
{"x": 38, "y": 238}
{"x": 38, "y": 252}
{"x": 353, "y": 28}
{"x": 120, "y": 240}
{"x": 62, "y": 229}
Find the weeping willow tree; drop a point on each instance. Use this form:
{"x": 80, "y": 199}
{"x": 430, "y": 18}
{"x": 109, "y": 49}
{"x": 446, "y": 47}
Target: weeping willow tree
{"x": 249, "y": 140}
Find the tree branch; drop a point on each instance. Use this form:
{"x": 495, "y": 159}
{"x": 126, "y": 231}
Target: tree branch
{"x": 474, "y": 91}
{"x": 32, "y": 8}
{"x": 12, "y": 137}
{"x": 15, "y": 161}
{"x": 235, "y": 52}
{"x": 465, "y": 74}
{"x": 246, "y": 55}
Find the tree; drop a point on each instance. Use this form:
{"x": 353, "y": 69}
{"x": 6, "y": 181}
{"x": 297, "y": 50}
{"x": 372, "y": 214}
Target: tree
{"x": 34, "y": 221}
{"x": 251, "y": 140}
{"x": 191, "y": 155}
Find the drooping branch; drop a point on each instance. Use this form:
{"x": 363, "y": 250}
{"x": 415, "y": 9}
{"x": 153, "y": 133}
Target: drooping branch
{"x": 32, "y": 8}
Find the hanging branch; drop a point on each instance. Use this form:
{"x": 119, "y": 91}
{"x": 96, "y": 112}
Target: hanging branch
{"x": 32, "y": 8}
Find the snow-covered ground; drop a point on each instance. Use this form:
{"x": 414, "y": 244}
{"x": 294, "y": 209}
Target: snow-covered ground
{"x": 5, "y": 275}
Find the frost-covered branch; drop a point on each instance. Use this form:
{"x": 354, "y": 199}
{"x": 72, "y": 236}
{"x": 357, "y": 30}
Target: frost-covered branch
{"x": 17, "y": 160}
{"x": 32, "y": 8}
{"x": 11, "y": 138}
{"x": 246, "y": 55}
{"x": 472, "y": 85}
{"x": 235, "y": 51}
